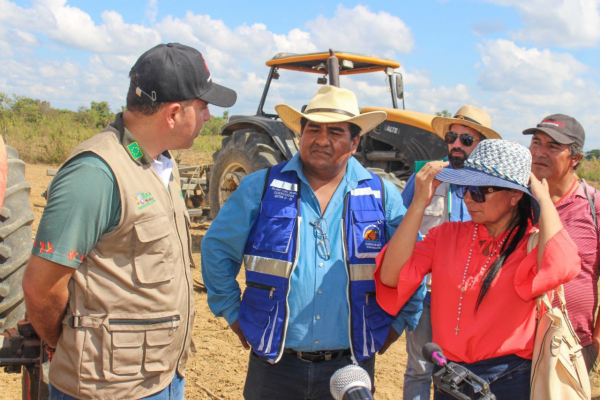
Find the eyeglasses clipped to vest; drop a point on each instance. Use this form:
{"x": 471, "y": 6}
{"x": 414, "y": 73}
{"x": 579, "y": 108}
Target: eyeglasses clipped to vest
{"x": 323, "y": 243}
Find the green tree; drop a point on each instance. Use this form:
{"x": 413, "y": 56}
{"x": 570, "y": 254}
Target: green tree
{"x": 444, "y": 113}
{"x": 593, "y": 154}
{"x": 213, "y": 126}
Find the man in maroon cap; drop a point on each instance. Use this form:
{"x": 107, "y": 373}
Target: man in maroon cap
{"x": 557, "y": 149}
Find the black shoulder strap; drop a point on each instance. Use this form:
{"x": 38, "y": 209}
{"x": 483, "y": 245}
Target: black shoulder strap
{"x": 266, "y": 182}
{"x": 592, "y": 201}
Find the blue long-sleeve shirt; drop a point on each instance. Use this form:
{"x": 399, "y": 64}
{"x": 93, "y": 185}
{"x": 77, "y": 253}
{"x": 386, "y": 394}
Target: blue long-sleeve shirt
{"x": 317, "y": 299}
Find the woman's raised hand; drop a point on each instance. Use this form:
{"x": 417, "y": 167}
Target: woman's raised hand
{"x": 425, "y": 182}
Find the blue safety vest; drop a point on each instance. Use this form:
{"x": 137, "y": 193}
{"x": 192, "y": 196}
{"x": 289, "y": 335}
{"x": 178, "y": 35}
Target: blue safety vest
{"x": 271, "y": 255}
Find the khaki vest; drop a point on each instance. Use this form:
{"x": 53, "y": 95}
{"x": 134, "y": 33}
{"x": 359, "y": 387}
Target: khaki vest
{"x": 131, "y": 305}
{"x": 436, "y": 214}
{"x": 437, "y": 211}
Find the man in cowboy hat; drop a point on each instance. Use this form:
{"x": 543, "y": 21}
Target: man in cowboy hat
{"x": 557, "y": 149}
{"x": 308, "y": 231}
{"x": 469, "y": 126}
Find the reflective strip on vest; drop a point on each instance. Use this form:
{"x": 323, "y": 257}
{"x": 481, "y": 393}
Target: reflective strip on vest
{"x": 362, "y": 272}
{"x": 367, "y": 191}
{"x": 267, "y": 266}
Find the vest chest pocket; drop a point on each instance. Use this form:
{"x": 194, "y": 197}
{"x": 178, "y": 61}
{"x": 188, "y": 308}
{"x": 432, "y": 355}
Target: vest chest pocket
{"x": 154, "y": 261}
{"x": 143, "y": 342}
{"x": 275, "y": 225}
{"x": 258, "y": 317}
{"x": 369, "y": 233}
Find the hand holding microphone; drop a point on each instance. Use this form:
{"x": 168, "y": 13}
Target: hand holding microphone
{"x": 452, "y": 378}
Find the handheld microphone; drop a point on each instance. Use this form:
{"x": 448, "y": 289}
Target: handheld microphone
{"x": 453, "y": 377}
{"x": 433, "y": 353}
{"x": 351, "y": 383}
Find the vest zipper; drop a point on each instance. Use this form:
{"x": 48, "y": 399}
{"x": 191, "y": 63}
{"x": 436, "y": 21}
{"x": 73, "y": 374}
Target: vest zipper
{"x": 349, "y": 286}
{"x": 185, "y": 267}
{"x": 145, "y": 321}
{"x": 262, "y": 286}
{"x": 286, "y": 316}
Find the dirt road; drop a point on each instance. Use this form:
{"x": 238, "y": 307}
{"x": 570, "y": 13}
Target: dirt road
{"x": 218, "y": 369}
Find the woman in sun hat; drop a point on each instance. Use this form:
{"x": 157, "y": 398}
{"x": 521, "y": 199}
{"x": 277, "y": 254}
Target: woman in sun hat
{"x": 485, "y": 282}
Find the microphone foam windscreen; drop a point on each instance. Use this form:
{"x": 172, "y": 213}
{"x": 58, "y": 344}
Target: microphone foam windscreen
{"x": 348, "y": 377}
{"x": 429, "y": 349}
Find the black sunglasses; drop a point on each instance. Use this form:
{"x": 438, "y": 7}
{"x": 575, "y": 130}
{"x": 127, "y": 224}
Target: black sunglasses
{"x": 465, "y": 138}
{"x": 478, "y": 192}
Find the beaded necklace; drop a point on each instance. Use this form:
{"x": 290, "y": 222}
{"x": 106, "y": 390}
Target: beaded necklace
{"x": 463, "y": 287}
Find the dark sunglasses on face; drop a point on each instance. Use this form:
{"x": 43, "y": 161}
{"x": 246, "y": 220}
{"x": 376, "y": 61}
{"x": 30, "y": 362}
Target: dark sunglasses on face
{"x": 478, "y": 192}
{"x": 466, "y": 139}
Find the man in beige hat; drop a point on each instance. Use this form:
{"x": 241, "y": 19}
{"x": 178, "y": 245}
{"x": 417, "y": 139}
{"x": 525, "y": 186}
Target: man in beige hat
{"x": 463, "y": 132}
{"x": 308, "y": 231}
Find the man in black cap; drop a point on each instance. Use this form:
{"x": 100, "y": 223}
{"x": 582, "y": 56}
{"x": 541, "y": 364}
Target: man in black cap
{"x": 557, "y": 149}
{"x": 108, "y": 287}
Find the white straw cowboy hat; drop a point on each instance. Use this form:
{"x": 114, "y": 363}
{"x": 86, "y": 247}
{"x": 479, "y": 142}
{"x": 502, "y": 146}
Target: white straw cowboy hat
{"x": 330, "y": 105}
{"x": 470, "y": 116}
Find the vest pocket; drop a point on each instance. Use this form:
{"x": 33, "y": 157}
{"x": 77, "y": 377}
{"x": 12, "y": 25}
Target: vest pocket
{"x": 376, "y": 326}
{"x": 258, "y": 316}
{"x": 153, "y": 258}
{"x": 274, "y": 226}
{"x": 142, "y": 342}
{"x": 369, "y": 233}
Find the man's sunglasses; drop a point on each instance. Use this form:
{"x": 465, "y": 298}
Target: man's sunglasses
{"x": 478, "y": 192}
{"x": 466, "y": 139}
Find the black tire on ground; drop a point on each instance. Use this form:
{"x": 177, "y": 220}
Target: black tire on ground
{"x": 242, "y": 153}
{"x": 15, "y": 241}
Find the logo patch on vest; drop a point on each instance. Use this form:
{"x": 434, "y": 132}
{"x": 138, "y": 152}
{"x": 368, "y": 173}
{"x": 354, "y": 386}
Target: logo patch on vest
{"x": 135, "y": 151}
{"x": 143, "y": 200}
{"x": 284, "y": 190}
{"x": 372, "y": 235}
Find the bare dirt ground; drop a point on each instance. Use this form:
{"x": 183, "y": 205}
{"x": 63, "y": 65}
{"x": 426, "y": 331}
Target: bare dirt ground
{"x": 218, "y": 369}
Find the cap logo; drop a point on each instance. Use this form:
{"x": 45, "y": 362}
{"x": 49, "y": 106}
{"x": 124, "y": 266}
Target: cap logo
{"x": 207, "y": 70}
{"x": 553, "y": 123}
{"x": 135, "y": 151}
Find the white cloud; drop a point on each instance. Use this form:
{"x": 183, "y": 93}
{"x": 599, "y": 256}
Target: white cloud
{"x": 507, "y": 66}
{"x": 566, "y": 23}
{"x": 72, "y": 27}
{"x": 363, "y": 31}
{"x": 522, "y": 85}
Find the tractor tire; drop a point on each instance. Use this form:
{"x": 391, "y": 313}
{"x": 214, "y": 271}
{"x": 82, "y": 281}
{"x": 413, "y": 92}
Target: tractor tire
{"x": 15, "y": 241}
{"x": 242, "y": 153}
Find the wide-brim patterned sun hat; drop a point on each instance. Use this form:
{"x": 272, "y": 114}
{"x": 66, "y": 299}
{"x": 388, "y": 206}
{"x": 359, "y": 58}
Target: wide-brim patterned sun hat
{"x": 330, "y": 105}
{"x": 495, "y": 163}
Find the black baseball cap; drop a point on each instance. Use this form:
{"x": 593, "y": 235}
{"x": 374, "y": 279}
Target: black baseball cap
{"x": 560, "y": 127}
{"x": 175, "y": 72}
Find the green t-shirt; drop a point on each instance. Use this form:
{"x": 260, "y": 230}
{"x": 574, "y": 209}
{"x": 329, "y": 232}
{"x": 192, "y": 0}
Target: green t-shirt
{"x": 83, "y": 204}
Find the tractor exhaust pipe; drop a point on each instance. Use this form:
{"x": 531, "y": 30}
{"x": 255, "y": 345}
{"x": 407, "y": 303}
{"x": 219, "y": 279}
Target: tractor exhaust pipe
{"x": 333, "y": 69}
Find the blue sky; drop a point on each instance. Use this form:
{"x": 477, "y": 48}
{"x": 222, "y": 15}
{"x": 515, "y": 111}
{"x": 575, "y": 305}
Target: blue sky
{"x": 520, "y": 60}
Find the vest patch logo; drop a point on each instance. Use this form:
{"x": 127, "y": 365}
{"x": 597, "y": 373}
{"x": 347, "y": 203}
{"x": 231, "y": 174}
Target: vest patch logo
{"x": 135, "y": 151}
{"x": 143, "y": 200}
{"x": 372, "y": 233}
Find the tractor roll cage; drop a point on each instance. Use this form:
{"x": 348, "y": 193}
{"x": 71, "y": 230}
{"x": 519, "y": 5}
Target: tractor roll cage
{"x": 319, "y": 63}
